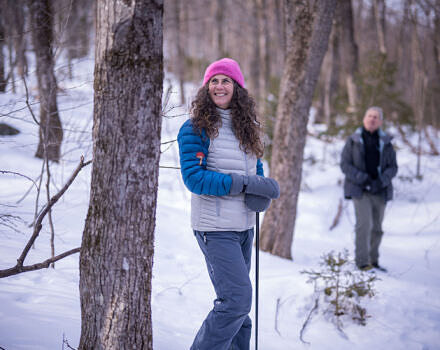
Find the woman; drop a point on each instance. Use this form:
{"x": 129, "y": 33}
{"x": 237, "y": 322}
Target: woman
{"x": 220, "y": 150}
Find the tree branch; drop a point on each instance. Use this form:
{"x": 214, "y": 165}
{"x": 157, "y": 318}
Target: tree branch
{"x": 49, "y": 205}
{"x": 15, "y": 173}
{"x": 42, "y": 265}
{"x": 18, "y": 268}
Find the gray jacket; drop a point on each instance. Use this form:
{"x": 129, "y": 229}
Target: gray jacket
{"x": 353, "y": 165}
{"x": 224, "y": 213}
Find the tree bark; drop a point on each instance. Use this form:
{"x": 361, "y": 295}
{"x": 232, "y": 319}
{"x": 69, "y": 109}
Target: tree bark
{"x": 265, "y": 58}
{"x": 180, "y": 61}
{"x": 330, "y": 75}
{"x": 350, "y": 56}
{"x": 17, "y": 23}
{"x": 379, "y": 17}
{"x": 308, "y": 26}
{"x": 219, "y": 20}
{"x": 78, "y": 28}
{"x": 2, "y": 57}
{"x": 281, "y": 28}
{"x": 117, "y": 248}
{"x": 420, "y": 82}
{"x": 51, "y": 132}
{"x": 256, "y": 52}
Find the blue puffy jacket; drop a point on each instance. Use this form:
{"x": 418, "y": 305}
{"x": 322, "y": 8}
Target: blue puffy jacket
{"x": 193, "y": 148}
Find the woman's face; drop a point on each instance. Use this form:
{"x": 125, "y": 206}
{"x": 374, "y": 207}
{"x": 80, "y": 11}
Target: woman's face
{"x": 220, "y": 89}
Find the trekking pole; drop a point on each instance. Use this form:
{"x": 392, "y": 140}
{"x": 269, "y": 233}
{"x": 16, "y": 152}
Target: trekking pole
{"x": 257, "y": 248}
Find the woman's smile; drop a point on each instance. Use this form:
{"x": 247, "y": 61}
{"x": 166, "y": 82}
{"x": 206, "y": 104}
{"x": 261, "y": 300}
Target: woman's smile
{"x": 221, "y": 89}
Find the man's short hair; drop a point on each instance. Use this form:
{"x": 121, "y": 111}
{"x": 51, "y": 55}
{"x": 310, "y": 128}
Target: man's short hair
{"x": 377, "y": 109}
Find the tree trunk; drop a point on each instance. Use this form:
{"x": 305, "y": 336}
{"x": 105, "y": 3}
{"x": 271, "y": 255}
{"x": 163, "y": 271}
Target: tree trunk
{"x": 350, "y": 56}
{"x": 330, "y": 75}
{"x": 281, "y": 28}
{"x": 420, "y": 82}
{"x": 265, "y": 58}
{"x": 308, "y": 26}
{"x": 17, "y": 24}
{"x": 256, "y": 52}
{"x": 2, "y": 58}
{"x": 78, "y": 28}
{"x": 379, "y": 17}
{"x": 219, "y": 28}
{"x": 51, "y": 132}
{"x": 180, "y": 59}
{"x": 117, "y": 247}
{"x": 436, "y": 39}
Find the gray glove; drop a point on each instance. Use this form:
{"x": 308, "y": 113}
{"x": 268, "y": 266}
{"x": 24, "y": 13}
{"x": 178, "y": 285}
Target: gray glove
{"x": 256, "y": 203}
{"x": 237, "y": 184}
{"x": 262, "y": 186}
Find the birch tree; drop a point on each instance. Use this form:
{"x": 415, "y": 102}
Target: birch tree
{"x": 116, "y": 256}
{"x": 308, "y": 26}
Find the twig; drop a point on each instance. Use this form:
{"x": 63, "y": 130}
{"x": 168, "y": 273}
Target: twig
{"x": 67, "y": 343}
{"x": 427, "y": 225}
{"x": 276, "y": 317}
{"x": 37, "y": 198}
{"x": 179, "y": 289}
{"x": 14, "y": 173}
{"x": 28, "y": 191}
{"x": 27, "y": 103}
{"x": 52, "y": 229}
{"x": 309, "y": 316}
{"x": 166, "y": 149}
{"x": 169, "y": 167}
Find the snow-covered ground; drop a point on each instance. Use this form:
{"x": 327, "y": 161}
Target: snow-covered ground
{"x": 38, "y": 309}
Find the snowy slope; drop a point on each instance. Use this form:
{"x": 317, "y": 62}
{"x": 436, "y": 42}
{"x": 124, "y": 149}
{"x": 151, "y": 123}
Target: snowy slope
{"x": 38, "y": 309}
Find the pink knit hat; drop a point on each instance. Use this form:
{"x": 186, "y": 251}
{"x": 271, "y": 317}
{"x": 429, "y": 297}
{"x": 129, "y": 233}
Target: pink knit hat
{"x": 226, "y": 66}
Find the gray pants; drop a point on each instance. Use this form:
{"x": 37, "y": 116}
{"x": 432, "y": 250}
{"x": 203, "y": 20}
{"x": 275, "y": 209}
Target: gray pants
{"x": 228, "y": 258}
{"x": 369, "y": 210}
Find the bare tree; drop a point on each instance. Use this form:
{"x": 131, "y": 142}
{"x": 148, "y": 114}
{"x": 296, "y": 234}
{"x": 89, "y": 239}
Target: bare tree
{"x": 117, "y": 248}
{"x": 379, "y": 16}
{"x": 256, "y": 66}
{"x": 178, "y": 11}
{"x": 330, "y": 74}
{"x": 308, "y": 26}
{"x": 51, "y": 132}
{"x": 420, "y": 82}
{"x": 17, "y": 17}
{"x": 219, "y": 33}
{"x": 350, "y": 55}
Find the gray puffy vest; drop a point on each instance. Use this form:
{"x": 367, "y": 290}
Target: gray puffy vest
{"x": 224, "y": 213}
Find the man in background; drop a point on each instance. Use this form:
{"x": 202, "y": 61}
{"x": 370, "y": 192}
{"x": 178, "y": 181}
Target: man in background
{"x": 369, "y": 164}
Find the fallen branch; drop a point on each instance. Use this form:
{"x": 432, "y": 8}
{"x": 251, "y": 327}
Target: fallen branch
{"x": 309, "y": 316}
{"x": 338, "y": 216}
{"x": 432, "y": 146}
{"x": 276, "y": 317}
{"x": 18, "y": 268}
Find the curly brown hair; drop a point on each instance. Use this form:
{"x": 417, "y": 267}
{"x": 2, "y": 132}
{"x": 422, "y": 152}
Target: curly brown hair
{"x": 245, "y": 124}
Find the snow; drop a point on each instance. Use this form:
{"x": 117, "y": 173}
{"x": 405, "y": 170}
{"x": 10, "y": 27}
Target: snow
{"x": 40, "y": 308}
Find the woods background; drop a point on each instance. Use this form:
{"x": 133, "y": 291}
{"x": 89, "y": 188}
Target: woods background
{"x": 384, "y": 50}
{"x": 359, "y": 54}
